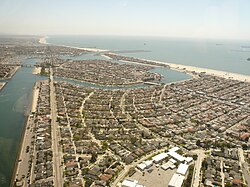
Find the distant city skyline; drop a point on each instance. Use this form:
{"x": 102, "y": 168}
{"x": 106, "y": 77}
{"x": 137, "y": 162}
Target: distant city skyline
{"x": 220, "y": 19}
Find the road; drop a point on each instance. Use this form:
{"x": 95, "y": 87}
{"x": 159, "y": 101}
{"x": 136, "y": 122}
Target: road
{"x": 197, "y": 168}
{"x": 244, "y": 166}
{"x": 58, "y": 177}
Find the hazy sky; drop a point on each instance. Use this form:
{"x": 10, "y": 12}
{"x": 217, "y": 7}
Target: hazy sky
{"x": 173, "y": 18}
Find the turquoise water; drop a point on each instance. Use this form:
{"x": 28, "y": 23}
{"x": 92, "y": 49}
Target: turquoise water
{"x": 214, "y": 54}
{"x": 15, "y": 98}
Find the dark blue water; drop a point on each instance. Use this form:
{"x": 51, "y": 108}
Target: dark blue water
{"x": 222, "y": 55}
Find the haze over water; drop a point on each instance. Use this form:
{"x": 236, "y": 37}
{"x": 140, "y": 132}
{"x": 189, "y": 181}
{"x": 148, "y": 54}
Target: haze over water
{"x": 223, "y": 55}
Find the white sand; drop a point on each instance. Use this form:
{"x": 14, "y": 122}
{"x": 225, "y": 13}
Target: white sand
{"x": 191, "y": 69}
{"x": 36, "y": 70}
{"x": 218, "y": 73}
{"x": 43, "y": 40}
{"x": 2, "y": 85}
{"x": 35, "y": 98}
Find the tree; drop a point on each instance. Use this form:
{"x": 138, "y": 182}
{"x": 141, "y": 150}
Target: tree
{"x": 93, "y": 157}
{"x": 244, "y": 146}
{"x": 198, "y": 143}
{"x": 88, "y": 183}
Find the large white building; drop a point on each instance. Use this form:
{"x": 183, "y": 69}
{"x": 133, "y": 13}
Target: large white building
{"x": 131, "y": 183}
{"x": 182, "y": 169}
{"x": 160, "y": 157}
{"x": 176, "y": 181}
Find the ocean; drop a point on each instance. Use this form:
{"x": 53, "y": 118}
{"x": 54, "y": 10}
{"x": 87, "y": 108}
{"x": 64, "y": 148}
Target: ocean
{"x": 224, "y": 55}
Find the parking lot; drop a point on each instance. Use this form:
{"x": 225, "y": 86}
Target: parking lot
{"x": 157, "y": 177}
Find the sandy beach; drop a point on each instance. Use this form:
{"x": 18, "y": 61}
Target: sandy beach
{"x": 191, "y": 70}
{"x": 36, "y": 70}
{"x": 2, "y": 84}
{"x": 176, "y": 67}
{"x": 43, "y": 41}
{"x": 34, "y": 99}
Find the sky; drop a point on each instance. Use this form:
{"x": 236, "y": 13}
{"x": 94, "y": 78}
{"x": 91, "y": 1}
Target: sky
{"x": 225, "y": 19}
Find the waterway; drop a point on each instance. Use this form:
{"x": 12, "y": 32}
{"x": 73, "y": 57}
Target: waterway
{"x": 15, "y": 99}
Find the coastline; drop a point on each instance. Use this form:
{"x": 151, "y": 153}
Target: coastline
{"x": 191, "y": 70}
{"x": 44, "y": 42}
{"x": 22, "y": 157}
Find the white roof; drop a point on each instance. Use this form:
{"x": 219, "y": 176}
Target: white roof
{"x": 129, "y": 183}
{"x": 168, "y": 165}
{"x": 189, "y": 159}
{"x": 148, "y": 162}
{"x": 160, "y": 157}
{"x": 40, "y": 138}
{"x": 176, "y": 156}
{"x": 176, "y": 180}
{"x": 141, "y": 166}
{"x": 172, "y": 160}
{"x": 174, "y": 149}
{"x": 182, "y": 169}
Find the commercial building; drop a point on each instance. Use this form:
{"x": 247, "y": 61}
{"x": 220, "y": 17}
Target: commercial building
{"x": 131, "y": 183}
{"x": 176, "y": 180}
{"x": 182, "y": 169}
{"x": 160, "y": 157}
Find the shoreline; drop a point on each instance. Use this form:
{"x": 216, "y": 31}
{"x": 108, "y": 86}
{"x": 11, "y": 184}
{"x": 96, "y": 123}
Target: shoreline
{"x": 12, "y": 73}
{"x": 44, "y": 41}
{"x": 121, "y": 86}
{"x": 36, "y": 70}
{"x": 2, "y": 85}
{"x": 23, "y": 144}
{"x": 176, "y": 67}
